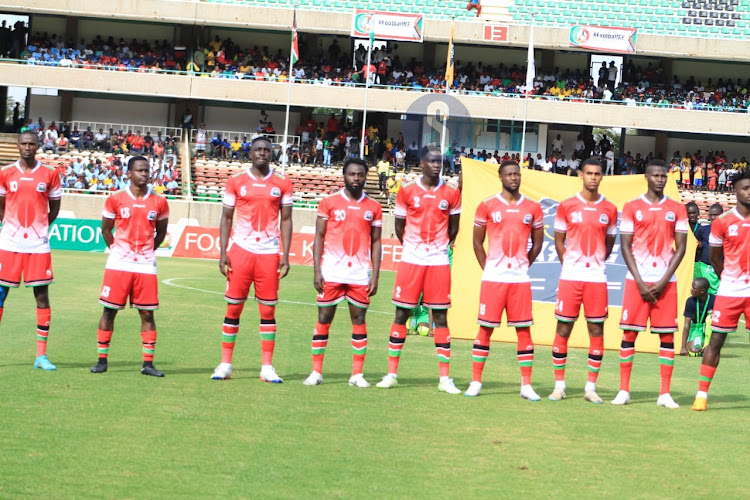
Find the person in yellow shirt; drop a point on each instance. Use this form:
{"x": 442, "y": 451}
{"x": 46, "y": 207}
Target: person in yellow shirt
{"x": 384, "y": 170}
{"x": 236, "y": 146}
{"x": 393, "y": 185}
{"x": 698, "y": 176}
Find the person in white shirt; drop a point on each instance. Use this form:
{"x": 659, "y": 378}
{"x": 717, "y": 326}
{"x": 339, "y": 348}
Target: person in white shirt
{"x": 579, "y": 145}
{"x": 573, "y": 164}
{"x": 610, "y": 157}
{"x": 557, "y": 143}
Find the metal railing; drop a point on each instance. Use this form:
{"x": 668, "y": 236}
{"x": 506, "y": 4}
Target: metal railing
{"x": 175, "y": 132}
{"x": 277, "y": 139}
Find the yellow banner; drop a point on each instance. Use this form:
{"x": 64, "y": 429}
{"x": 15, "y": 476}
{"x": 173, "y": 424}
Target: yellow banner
{"x": 480, "y": 180}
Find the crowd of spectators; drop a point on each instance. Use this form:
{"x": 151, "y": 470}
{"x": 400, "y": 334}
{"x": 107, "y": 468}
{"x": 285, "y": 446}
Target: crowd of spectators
{"x": 107, "y": 171}
{"x": 223, "y": 58}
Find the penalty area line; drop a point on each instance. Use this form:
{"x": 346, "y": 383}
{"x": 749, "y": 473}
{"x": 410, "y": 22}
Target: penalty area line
{"x": 171, "y": 282}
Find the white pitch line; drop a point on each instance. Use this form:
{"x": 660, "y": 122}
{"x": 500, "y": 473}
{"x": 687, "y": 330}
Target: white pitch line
{"x": 170, "y": 282}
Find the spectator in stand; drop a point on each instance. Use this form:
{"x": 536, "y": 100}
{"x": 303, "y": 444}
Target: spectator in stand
{"x": 62, "y": 145}
{"x": 138, "y": 143}
{"x": 236, "y": 148}
{"x": 475, "y": 4}
{"x": 75, "y": 139}
{"x": 200, "y": 141}
{"x": 48, "y": 143}
{"x": 148, "y": 143}
{"x": 173, "y": 187}
{"x": 158, "y": 151}
{"x": 88, "y": 139}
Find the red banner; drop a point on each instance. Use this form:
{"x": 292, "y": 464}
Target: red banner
{"x": 203, "y": 243}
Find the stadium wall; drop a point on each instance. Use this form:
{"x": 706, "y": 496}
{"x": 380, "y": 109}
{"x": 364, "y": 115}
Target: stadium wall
{"x": 274, "y": 93}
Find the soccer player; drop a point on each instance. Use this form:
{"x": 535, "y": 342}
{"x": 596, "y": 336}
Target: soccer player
{"x": 139, "y": 217}
{"x": 730, "y": 258}
{"x": 347, "y": 239}
{"x": 508, "y": 219}
{"x": 653, "y": 235}
{"x": 262, "y": 199}
{"x": 585, "y": 231}
{"x": 30, "y": 195}
{"x": 427, "y": 216}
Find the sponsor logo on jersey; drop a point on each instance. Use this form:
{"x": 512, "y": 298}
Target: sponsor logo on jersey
{"x": 275, "y": 192}
{"x": 41, "y": 187}
{"x": 527, "y": 219}
{"x": 443, "y": 205}
{"x": 670, "y": 216}
{"x": 604, "y": 219}
{"x": 152, "y": 215}
{"x": 368, "y": 215}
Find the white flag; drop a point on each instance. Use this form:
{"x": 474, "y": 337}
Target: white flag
{"x": 530, "y": 66}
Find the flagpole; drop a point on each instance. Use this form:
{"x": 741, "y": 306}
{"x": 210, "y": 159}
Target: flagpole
{"x": 290, "y": 77}
{"x": 448, "y": 82}
{"x": 530, "y": 73}
{"x": 367, "y": 88}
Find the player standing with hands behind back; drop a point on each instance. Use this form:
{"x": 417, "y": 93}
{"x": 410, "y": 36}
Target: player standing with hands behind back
{"x": 30, "y": 195}
{"x": 139, "y": 217}
{"x": 262, "y": 199}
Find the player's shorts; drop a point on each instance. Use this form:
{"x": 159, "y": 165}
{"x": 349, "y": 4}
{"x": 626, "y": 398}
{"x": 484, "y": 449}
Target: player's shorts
{"x": 513, "y": 298}
{"x": 141, "y": 288}
{"x": 570, "y": 296}
{"x": 261, "y": 270}
{"x": 34, "y": 268}
{"x": 413, "y": 280}
{"x": 200, "y": 147}
{"x": 727, "y": 311}
{"x": 636, "y": 312}
{"x": 333, "y": 293}
{"x": 698, "y": 182}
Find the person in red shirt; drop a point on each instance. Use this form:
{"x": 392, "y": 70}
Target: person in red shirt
{"x": 30, "y": 195}
{"x": 509, "y": 220}
{"x": 427, "y": 217}
{"x": 653, "y": 234}
{"x": 730, "y": 258}
{"x": 139, "y": 217}
{"x": 347, "y": 241}
{"x": 585, "y": 232}
{"x": 262, "y": 199}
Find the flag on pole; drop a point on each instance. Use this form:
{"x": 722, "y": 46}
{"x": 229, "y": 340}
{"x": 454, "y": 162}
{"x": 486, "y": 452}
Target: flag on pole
{"x": 295, "y": 46}
{"x": 530, "y": 65}
{"x": 450, "y": 64}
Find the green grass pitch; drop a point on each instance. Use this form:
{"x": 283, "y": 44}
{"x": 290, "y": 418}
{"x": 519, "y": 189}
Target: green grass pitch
{"x": 71, "y": 434}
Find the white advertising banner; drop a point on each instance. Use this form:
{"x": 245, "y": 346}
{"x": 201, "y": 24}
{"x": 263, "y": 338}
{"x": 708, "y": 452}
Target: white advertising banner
{"x": 604, "y": 39}
{"x": 388, "y": 25}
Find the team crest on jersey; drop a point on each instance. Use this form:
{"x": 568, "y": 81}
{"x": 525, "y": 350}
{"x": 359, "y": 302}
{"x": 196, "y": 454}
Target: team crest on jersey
{"x": 670, "y": 216}
{"x": 152, "y": 215}
{"x": 275, "y": 192}
{"x": 527, "y": 219}
{"x": 443, "y": 205}
{"x": 41, "y": 187}
{"x": 603, "y": 219}
{"x": 368, "y": 215}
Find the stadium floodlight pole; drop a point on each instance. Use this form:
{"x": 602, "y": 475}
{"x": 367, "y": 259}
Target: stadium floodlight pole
{"x": 530, "y": 74}
{"x": 293, "y": 57}
{"x": 367, "y": 87}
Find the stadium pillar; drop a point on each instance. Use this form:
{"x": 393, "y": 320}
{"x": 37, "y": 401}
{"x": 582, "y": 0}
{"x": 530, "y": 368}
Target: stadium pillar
{"x": 66, "y": 106}
{"x": 661, "y": 144}
{"x": 4, "y": 100}
{"x": 428, "y": 54}
{"x": 666, "y": 65}
{"x": 548, "y": 59}
{"x": 71, "y": 28}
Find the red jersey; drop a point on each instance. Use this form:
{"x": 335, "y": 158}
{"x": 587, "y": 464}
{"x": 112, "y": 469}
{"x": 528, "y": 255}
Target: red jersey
{"x": 427, "y": 212}
{"x": 508, "y": 231}
{"x": 135, "y": 226}
{"x": 732, "y": 231}
{"x": 26, "y": 221}
{"x": 586, "y": 227}
{"x": 347, "y": 244}
{"x": 257, "y": 203}
{"x": 653, "y": 226}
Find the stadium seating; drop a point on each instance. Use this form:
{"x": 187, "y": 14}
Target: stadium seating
{"x": 696, "y": 18}
{"x": 434, "y": 9}
{"x": 705, "y": 199}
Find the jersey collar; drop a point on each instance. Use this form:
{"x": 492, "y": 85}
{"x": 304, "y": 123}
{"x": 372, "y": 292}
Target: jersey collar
{"x": 601, "y": 198}
{"x": 503, "y": 200}
{"x": 343, "y": 194}
{"x": 250, "y": 173}
{"x": 663, "y": 199}
{"x": 149, "y": 189}
{"x": 18, "y": 165}
{"x": 419, "y": 183}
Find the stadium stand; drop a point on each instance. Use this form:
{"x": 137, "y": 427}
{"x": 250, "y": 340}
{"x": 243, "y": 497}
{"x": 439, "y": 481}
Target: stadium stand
{"x": 695, "y": 18}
